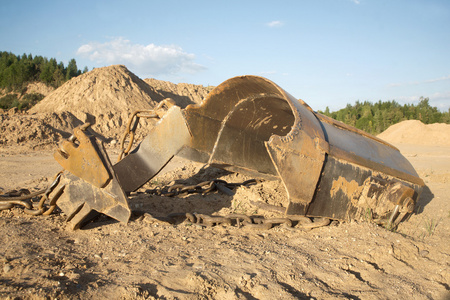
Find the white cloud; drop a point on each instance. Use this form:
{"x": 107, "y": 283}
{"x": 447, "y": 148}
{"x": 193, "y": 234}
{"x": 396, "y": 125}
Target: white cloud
{"x": 146, "y": 60}
{"x": 441, "y": 96}
{"x": 356, "y": 1}
{"x": 437, "y": 79}
{"x": 420, "y": 82}
{"x": 275, "y": 24}
{"x": 439, "y": 99}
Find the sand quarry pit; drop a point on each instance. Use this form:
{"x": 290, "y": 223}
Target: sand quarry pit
{"x": 40, "y": 258}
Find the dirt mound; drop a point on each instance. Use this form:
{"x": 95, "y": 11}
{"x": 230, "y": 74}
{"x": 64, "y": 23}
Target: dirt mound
{"x": 39, "y": 88}
{"x": 31, "y": 88}
{"x": 36, "y": 132}
{"x": 109, "y": 92}
{"x": 105, "y": 97}
{"x": 415, "y": 132}
{"x": 183, "y": 93}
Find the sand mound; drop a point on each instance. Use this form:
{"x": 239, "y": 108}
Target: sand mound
{"x": 415, "y": 132}
{"x": 36, "y": 132}
{"x": 110, "y": 91}
{"x": 39, "y": 88}
{"x": 31, "y": 88}
{"x": 104, "y": 97}
{"x": 183, "y": 93}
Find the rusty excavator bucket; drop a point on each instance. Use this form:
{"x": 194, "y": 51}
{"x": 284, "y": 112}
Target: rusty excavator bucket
{"x": 249, "y": 124}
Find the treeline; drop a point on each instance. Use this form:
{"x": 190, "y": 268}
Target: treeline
{"x": 376, "y": 117}
{"x": 17, "y": 71}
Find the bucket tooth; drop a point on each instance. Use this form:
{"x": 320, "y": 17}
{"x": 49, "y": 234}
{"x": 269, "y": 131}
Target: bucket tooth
{"x": 82, "y": 201}
{"x": 90, "y": 185}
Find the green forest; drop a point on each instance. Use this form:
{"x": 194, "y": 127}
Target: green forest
{"x": 17, "y": 71}
{"x": 376, "y": 117}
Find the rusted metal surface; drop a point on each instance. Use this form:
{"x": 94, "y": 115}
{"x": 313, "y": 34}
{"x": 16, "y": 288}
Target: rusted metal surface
{"x": 80, "y": 155}
{"x": 164, "y": 141}
{"x": 249, "y": 124}
{"x": 82, "y": 201}
{"x": 368, "y": 151}
{"x": 133, "y": 123}
{"x": 90, "y": 186}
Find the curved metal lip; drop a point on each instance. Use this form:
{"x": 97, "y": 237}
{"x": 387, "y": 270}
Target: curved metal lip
{"x": 314, "y": 118}
{"x": 282, "y": 94}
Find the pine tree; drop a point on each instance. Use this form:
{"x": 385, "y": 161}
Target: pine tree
{"x": 72, "y": 70}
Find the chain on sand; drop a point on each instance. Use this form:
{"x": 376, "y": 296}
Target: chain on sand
{"x": 10, "y": 199}
{"x": 201, "y": 188}
{"x": 23, "y": 198}
{"x": 241, "y": 220}
{"x": 20, "y": 198}
{"x": 133, "y": 123}
{"x": 237, "y": 220}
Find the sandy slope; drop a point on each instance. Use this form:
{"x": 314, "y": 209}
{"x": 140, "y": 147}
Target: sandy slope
{"x": 41, "y": 258}
{"x": 104, "y": 97}
{"x": 416, "y": 133}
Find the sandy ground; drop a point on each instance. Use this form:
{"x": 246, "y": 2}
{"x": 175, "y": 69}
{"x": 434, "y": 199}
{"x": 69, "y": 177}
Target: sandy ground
{"x": 40, "y": 258}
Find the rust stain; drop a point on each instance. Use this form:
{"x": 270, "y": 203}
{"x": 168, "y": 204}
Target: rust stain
{"x": 349, "y": 188}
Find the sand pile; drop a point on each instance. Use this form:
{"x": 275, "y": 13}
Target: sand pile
{"x": 104, "y": 97}
{"x": 36, "y": 132}
{"x": 31, "y": 88}
{"x": 39, "y": 88}
{"x": 417, "y": 133}
{"x": 183, "y": 93}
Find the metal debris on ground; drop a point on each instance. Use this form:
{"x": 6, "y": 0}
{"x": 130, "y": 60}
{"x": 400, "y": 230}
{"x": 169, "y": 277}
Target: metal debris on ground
{"x": 20, "y": 197}
{"x": 200, "y": 188}
{"x": 240, "y": 220}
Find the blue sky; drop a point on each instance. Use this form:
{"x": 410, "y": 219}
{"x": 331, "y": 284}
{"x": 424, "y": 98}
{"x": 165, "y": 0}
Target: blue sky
{"x": 326, "y": 52}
